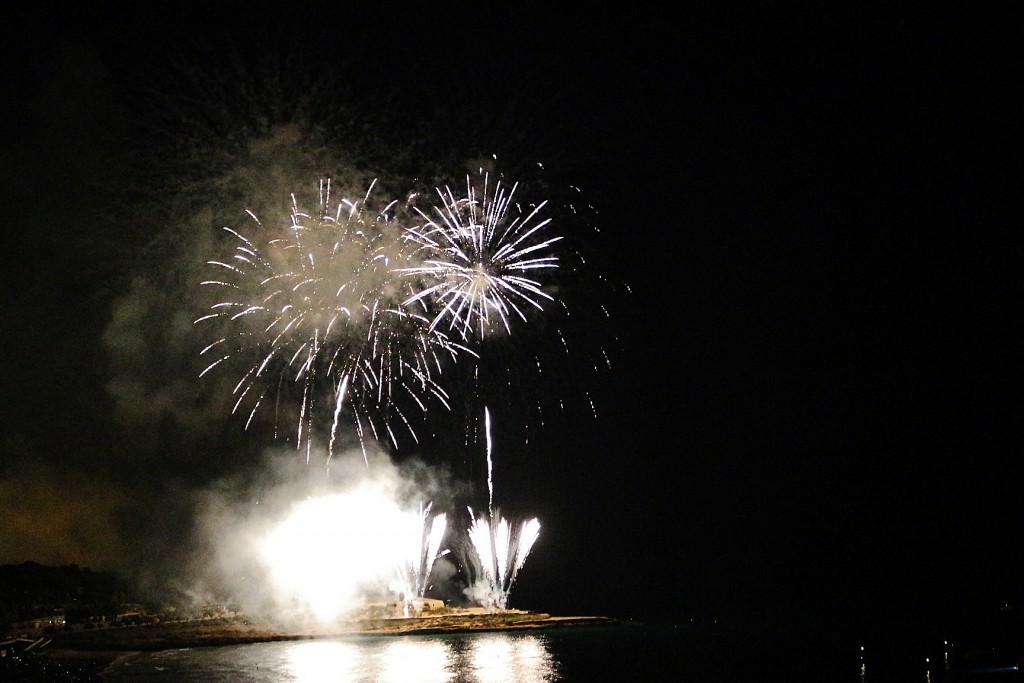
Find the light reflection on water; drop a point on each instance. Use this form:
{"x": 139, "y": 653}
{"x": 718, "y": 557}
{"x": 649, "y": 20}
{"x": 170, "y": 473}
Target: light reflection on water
{"x": 498, "y": 658}
{"x": 478, "y": 658}
{"x": 623, "y": 652}
{"x": 322, "y": 662}
{"x": 414, "y": 660}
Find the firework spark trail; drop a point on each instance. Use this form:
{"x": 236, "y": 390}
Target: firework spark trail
{"x": 325, "y": 303}
{"x": 422, "y": 547}
{"x": 476, "y": 258}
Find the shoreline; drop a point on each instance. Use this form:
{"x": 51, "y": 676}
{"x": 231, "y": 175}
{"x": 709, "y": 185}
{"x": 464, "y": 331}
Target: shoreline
{"x": 111, "y": 643}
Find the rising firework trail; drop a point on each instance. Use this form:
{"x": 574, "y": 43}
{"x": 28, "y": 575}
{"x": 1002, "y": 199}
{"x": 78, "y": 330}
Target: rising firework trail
{"x": 490, "y": 463}
{"x": 322, "y": 301}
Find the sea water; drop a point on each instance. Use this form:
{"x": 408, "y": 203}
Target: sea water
{"x": 621, "y": 652}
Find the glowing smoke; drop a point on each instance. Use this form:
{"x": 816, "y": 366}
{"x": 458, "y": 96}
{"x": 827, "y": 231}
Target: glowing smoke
{"x": 294, "y": 545}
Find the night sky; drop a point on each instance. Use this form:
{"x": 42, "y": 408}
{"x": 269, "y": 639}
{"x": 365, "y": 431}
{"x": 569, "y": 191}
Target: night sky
{"x": 813, "y": 410}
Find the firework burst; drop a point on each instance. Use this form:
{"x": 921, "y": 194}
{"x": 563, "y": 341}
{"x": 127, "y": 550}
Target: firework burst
{"x": 480, "y": 257}
{"x": 322, "y": 303}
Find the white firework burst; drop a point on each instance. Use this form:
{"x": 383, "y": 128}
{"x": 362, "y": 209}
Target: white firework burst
{"x": 323, "y": 304}
{"x": 480, "y": 257}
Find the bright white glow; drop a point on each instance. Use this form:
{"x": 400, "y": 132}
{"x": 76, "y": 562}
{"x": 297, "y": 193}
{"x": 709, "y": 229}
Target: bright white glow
{"x": 333, "y": 550}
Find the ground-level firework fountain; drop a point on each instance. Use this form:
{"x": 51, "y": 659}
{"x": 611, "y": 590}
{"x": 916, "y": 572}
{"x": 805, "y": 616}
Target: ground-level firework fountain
{"x": 359, "y": 550}
{"x": 423, "y": 546}
{"x": 500, "y": 550}
{"x": 333, "y": 553}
